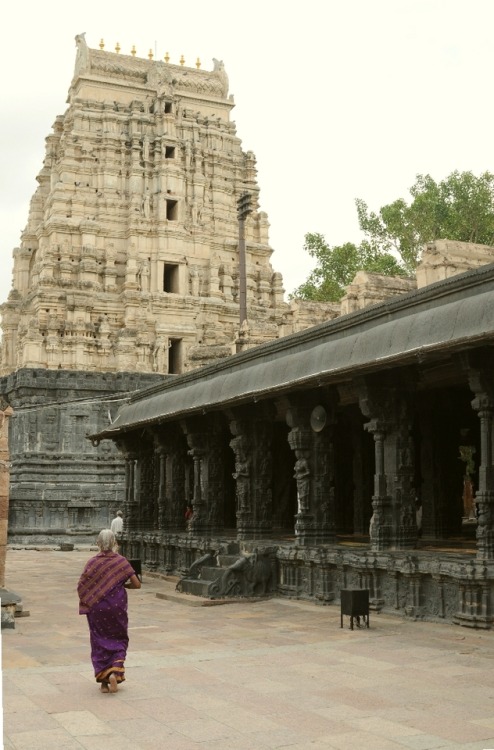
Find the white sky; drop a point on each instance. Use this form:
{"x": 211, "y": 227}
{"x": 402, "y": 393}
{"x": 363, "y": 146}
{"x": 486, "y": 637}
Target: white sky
{"x": 338, "y": 99}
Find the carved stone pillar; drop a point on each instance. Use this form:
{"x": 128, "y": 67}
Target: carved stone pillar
{"x": 171, "y": 456}
{"x": 147, "y": 490}
{"x": 393, "y": 523}
{"x": 252, "y": 446}
{"x": 199, "y": 521}
{"x": 481, "y": 383}
{"x": 130, "y": 504}
{"x": 207, "y": 452}
{"x": 313, "y": 445}
{"x": 381, "y": 523}
{"x": 241, "y": 445}
{"x": 323, "y": 493}
{"x": 299, "y": 440}
{"x": 161, "y": 459}
{"x": 176, "y": 500}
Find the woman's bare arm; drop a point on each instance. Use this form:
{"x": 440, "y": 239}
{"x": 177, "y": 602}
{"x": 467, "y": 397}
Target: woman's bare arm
{"x": 133, "y": 583}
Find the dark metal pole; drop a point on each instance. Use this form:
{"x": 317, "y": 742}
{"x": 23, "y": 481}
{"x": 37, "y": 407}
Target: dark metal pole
{"x": 242, "y": 270}
{"x": 244, "y": 209}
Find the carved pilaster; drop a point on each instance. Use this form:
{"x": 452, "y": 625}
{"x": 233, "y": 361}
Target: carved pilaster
{"x": 481, "y": 383}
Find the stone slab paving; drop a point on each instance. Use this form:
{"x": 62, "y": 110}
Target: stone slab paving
{"x": 242, "y": 676}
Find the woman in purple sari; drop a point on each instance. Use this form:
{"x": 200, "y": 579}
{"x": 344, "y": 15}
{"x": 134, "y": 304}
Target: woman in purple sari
{"x": 103, "y": 599}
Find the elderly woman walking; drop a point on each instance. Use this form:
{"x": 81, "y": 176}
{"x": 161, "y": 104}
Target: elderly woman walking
{"x": 103, "y": 599}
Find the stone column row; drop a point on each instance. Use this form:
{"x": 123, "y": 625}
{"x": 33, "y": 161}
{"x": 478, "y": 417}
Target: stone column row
{"x": 189, "y": 466}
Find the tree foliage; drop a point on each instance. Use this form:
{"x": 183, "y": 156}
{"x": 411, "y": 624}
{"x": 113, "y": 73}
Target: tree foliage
{"x": 336, "y": 267}
{"x": 460, "y": 207}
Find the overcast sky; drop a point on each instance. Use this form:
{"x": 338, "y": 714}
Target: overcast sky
{"x": 338, "y": 99}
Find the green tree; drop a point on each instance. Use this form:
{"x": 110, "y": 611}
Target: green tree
{"x": 336, "y": 266}
{"x": 460, "y": 207}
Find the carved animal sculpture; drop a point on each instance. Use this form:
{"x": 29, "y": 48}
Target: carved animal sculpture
{"x": 262, "y": 573}
{"x": 248, "y": 576}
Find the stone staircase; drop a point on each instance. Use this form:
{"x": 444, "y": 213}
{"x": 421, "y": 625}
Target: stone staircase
{"x": 231, "y": 573}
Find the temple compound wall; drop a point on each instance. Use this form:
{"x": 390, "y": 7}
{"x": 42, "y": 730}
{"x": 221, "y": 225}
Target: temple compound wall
{"x": 356, "y": 453}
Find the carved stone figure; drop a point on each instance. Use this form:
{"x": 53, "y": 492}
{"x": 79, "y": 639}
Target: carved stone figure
{"x": 159, "y": 354}
{"x": 219, "y": 69}
{"x": 82, "y": 58}
{"x": 302, "y": 475}
{"x": 248, "y": 576}
{"x": 195, "y": 281}
{"x": 143, "y": 275}
{"x": 146, "y": 205}
{"x": 242, "y": 477}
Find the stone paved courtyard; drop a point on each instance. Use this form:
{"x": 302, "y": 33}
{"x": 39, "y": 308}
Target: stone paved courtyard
{"x": 241, "y": 676}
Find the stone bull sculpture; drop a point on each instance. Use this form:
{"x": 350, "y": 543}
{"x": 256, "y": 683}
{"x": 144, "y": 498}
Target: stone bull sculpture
{"x": 247, "y": 576}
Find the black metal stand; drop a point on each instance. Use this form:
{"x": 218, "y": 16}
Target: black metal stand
{"x": 355, "y": 603}
{"x": 137, "y": 565}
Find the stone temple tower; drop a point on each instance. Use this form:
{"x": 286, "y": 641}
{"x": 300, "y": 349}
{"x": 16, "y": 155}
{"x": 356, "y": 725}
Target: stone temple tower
{"x": 128, "y": 272}
{"x": 129, "y": 261}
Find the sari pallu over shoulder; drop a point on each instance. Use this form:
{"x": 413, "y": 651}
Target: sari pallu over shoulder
{"x": 101, "y": 574}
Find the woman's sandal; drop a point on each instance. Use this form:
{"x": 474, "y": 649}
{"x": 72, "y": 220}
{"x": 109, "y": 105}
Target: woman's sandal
{"x": 113, "y": 684}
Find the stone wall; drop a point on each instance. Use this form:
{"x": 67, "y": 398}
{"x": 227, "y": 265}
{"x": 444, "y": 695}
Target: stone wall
{"x": 371, "y": 288}
{"x": 445, "y": 258}
{"x": 5, "y": 415}
{"x": 61, "y": 487}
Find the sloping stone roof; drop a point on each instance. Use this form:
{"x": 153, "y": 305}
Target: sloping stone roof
{"x": 448, "y": 316}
